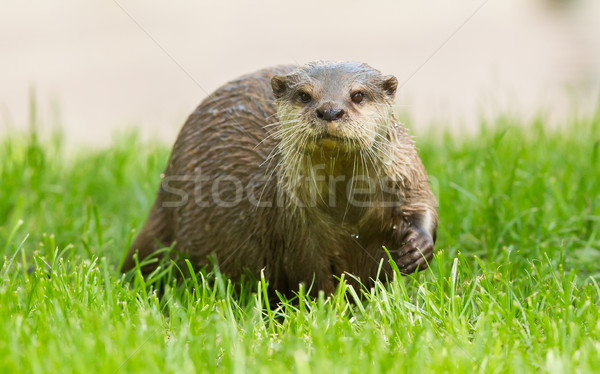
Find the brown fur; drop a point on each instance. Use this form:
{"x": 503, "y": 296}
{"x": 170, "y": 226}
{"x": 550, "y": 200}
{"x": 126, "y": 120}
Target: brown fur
{"x": 282, "y": 211}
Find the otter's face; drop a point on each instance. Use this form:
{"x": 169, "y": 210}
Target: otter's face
{"x": 334, "y": 105}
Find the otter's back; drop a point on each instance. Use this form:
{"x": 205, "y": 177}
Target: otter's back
{"x": 217, "y": 160}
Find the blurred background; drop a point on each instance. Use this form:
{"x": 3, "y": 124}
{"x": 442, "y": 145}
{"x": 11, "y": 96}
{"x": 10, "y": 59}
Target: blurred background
{"x": 101, "y": 67}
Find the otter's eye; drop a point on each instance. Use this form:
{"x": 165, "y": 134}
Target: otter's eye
{"x": 357, "y": 97}
{"x": 304, "y": 97}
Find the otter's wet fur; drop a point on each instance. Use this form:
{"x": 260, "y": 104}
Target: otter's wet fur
{"x": 298, "y": 171}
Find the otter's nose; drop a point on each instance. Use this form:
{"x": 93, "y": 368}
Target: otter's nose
{"x": 330, "y": 114}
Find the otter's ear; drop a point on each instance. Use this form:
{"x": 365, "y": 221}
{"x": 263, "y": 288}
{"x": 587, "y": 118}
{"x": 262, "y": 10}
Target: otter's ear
{"x": 390, "y": 84}
{"x": 279, "y": 85}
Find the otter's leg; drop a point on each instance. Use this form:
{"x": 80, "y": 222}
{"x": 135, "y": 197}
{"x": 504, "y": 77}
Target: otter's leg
{"x": 155, "y": 234}
{"x": 415, "y": 241}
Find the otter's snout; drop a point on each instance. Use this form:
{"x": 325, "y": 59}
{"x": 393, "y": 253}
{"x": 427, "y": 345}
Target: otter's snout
{"x": 330, "y": 114}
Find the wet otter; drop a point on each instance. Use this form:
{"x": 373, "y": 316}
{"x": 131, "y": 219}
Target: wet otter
{"x": 298, "y": 171}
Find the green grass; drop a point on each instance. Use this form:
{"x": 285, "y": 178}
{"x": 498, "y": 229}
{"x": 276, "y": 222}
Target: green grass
{"x": 512, "y": 289}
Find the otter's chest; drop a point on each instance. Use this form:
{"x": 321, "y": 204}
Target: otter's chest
{"x": 339, "y": 230}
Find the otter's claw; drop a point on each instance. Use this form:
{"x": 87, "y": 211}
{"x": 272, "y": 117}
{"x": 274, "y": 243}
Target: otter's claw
{"x": 415, "y": 252}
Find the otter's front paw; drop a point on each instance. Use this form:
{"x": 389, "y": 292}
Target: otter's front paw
{"x": 415, "y": 252}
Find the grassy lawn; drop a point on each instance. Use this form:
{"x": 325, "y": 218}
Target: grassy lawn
{"x": 513, "y": 288}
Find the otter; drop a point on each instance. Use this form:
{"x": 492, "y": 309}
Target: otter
{"x": 301, "y": 173}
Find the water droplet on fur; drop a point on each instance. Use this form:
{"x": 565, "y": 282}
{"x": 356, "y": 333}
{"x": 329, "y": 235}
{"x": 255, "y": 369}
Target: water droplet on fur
{"x": 395, "y": 227}
{"x": 354, "y": 236}
{"x": 396, "y": 124}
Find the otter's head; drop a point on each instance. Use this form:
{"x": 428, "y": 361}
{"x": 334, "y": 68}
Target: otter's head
{"x": 333, "y": 106}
